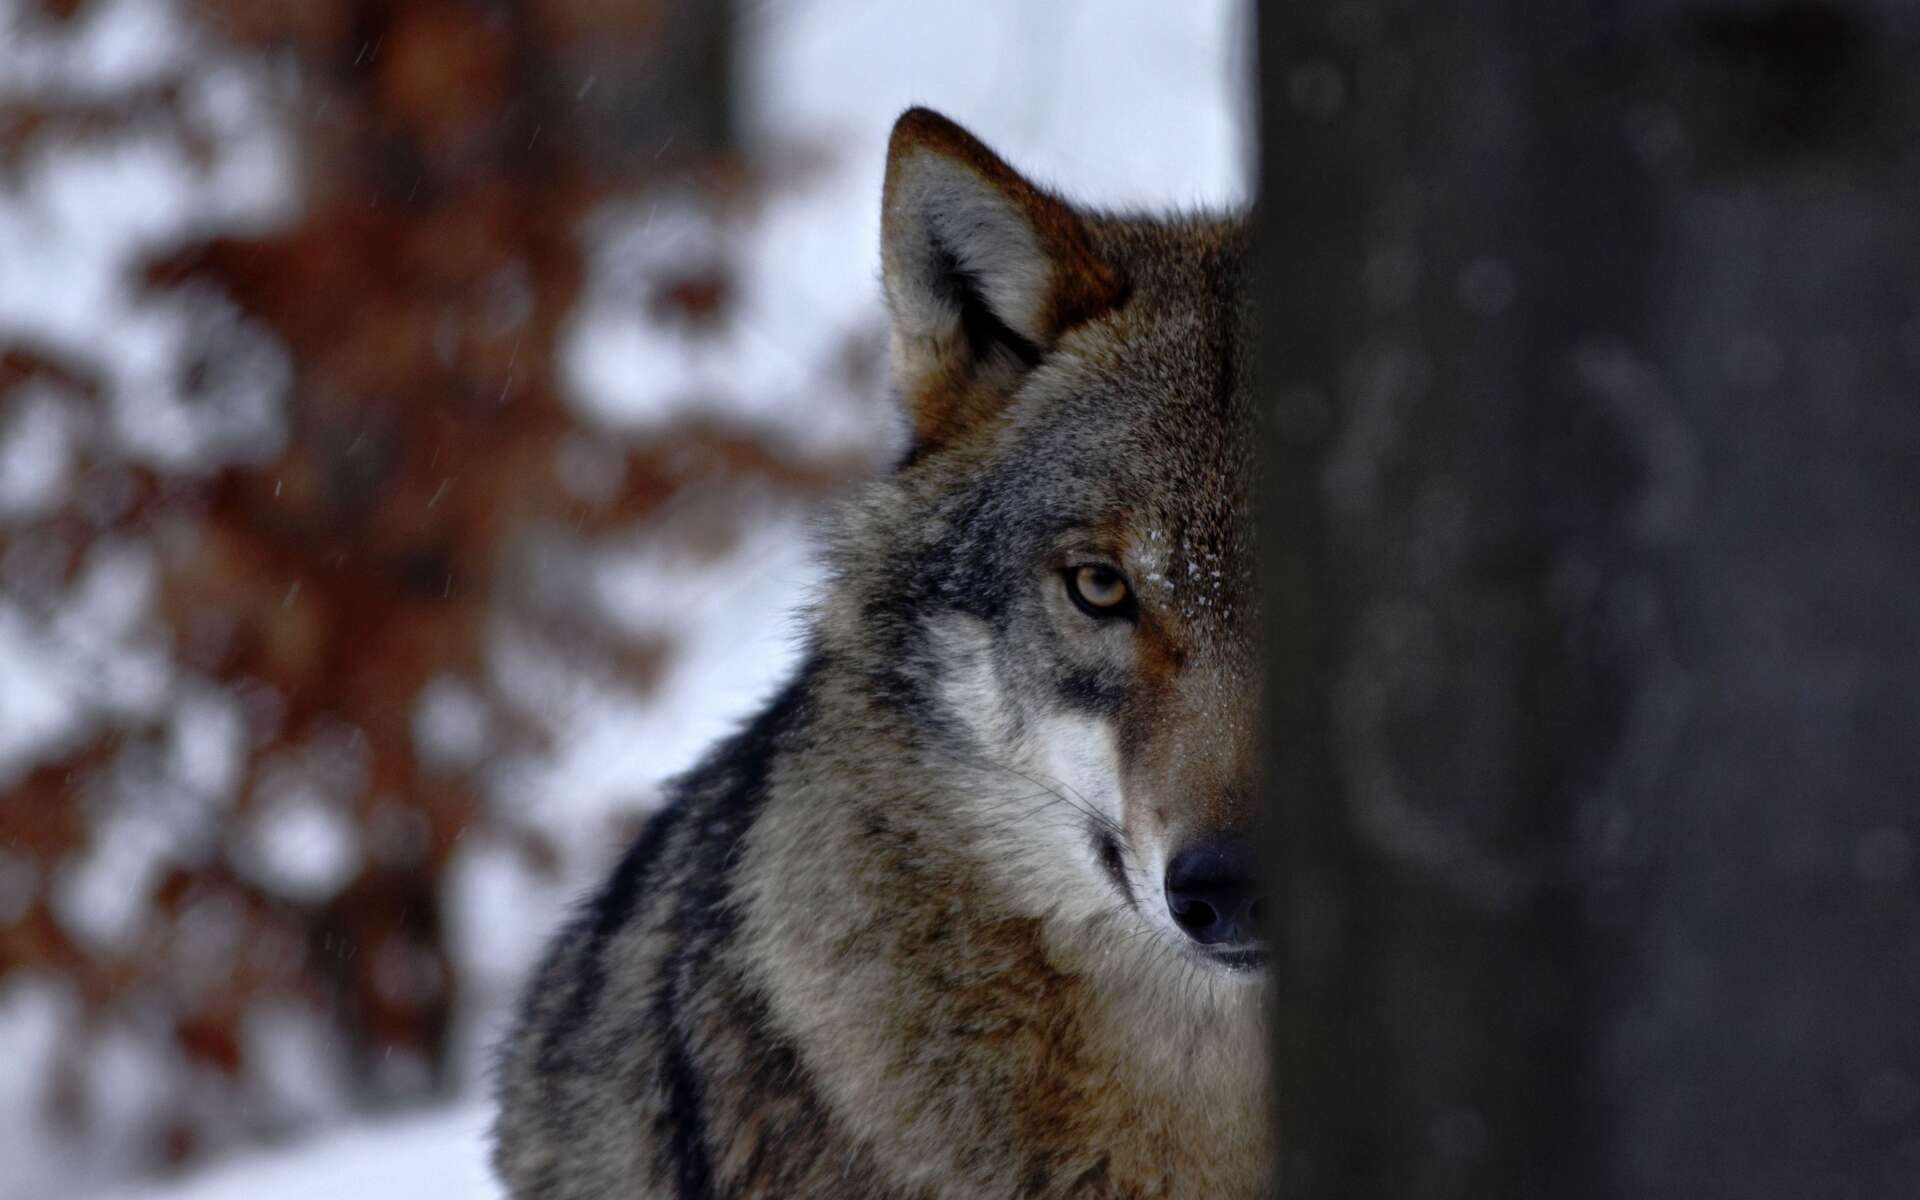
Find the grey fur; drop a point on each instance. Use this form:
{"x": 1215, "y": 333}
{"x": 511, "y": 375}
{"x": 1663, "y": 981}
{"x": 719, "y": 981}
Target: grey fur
{"x": 903, "y": 936}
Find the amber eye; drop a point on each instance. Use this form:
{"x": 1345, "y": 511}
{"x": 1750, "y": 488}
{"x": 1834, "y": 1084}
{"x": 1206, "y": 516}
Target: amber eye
{"x": 1100, "y": 591}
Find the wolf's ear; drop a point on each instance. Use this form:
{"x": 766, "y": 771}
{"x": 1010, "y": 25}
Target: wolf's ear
{"x": 984, "y": 271}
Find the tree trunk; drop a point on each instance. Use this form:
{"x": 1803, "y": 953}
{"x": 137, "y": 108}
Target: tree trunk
{"x": 1592, "y": 336}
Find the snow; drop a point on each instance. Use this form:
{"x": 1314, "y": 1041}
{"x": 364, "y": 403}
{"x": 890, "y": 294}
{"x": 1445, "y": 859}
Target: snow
{"x": 1132, "y": 102}
{"x": 37, "y": 710}
{"x": 118, "y": 1080}
{"x": 441, "y": 1154}
{"x": 73, "y": 216}
{"x": 301, "y": 845}
{"x": 36, "y": 454}
{"x": 450, "y": 724}
{"x": 1134, "y": 105}
{"x": 85, "y": 658}
{"x": 206, "y": 740}
{"x": 733, "y": 643}
{"x": 303, "y": 1081}
{"x": 120, "y": 45}
{"x": 100, "y": 896}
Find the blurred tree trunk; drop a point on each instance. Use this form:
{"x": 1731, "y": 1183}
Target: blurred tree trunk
{"x": 1592, "y": 336}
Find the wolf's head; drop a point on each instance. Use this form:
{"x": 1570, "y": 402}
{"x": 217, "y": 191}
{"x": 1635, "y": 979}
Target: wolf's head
{"x": 1055, "y": 588}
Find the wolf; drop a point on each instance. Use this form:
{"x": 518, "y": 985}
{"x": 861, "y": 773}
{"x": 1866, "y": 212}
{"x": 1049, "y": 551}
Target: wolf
{"x": 968, "y": 910}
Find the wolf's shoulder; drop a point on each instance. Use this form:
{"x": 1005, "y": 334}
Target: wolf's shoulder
{"x": 602, "y": 1008}
{"x": 676, "y": 858}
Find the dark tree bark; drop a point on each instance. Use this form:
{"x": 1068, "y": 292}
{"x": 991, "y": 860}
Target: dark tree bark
{"x": 1592, "y": 337}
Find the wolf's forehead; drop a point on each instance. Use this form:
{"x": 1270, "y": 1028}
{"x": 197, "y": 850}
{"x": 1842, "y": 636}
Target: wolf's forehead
{"x": 1155, "y": 456}
{"x": 1176, "y": 422}
{"x": 1145, "y": 420}
{"x": 1185, "y": 475}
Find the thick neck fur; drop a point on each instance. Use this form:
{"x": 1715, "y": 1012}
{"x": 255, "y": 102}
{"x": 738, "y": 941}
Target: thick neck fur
{"x": 980, "y": 1026}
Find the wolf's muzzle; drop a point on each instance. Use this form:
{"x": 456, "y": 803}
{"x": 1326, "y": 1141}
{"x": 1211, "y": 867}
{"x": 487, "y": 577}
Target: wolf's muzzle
{"x": 1213, "y": 894}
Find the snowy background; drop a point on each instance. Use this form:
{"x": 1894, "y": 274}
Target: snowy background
{"x": 410, "y": 426}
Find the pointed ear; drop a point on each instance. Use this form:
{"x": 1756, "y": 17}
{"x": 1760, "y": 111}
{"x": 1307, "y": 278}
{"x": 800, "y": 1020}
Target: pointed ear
{"x": 984, "y": 271}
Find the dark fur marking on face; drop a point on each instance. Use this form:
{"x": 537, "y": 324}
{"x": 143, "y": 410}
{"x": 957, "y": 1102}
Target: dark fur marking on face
{"x": 903, "y": 675}
{"x": 967, "y": 571}
{"x": 1108, "y": 850}
{"x": 1091, "y": 691}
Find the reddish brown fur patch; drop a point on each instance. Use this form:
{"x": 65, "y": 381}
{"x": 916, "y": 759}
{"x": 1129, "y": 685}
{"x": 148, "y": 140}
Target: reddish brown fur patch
{"x": 955, "y": 396}
{"x": 954, "y": 399}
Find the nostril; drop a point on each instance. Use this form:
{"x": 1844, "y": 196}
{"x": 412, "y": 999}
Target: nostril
{"x": 1194, "y": 914}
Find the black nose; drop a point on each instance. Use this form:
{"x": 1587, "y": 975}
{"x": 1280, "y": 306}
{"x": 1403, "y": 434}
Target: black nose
{"x": 1212, "y": 893}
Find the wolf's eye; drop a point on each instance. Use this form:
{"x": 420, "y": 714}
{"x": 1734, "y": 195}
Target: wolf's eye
{"x": 1100, "y": 591}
